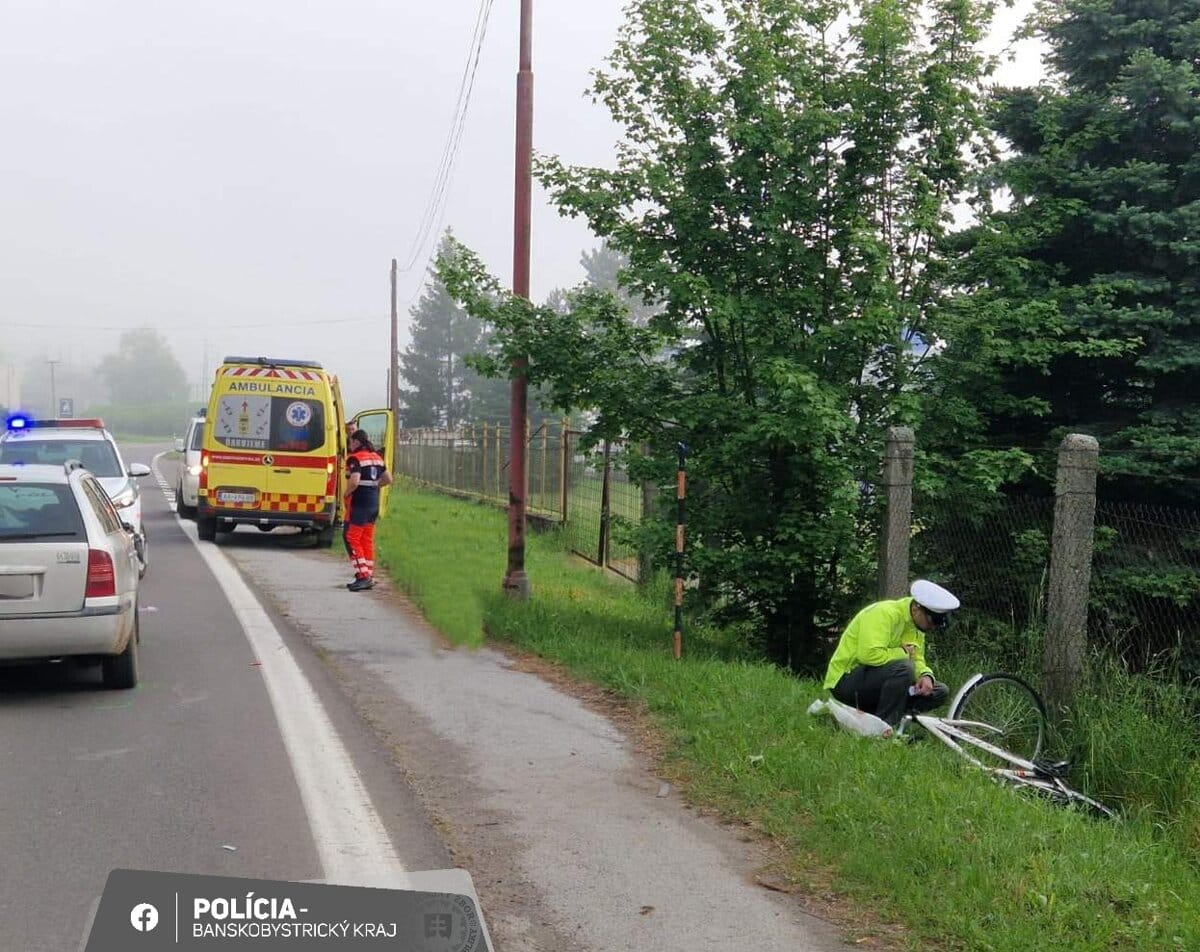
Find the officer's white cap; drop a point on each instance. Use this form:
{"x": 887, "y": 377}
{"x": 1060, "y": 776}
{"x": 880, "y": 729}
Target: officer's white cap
{"x": 931, "y": 596}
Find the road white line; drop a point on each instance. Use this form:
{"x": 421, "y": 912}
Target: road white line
{"x": 351, "y": 840}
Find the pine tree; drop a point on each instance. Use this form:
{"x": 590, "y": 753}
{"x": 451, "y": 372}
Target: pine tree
{"x": 1084, "y": 305}
{"x": 434, "y": 364}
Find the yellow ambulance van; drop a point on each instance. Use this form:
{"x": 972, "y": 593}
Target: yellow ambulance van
{"x": 274, "y": 449}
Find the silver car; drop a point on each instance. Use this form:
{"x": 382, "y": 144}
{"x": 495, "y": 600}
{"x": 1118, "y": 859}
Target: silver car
{"x": 187, "y": 489}
{"x": 85, "y": 440}
{"x": 68, "y": 572}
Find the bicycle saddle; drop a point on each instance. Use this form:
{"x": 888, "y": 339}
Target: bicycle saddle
{"x": 1052, "y": 768}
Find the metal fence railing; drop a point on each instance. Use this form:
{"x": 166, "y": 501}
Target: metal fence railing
{"x": 585, "y": 489}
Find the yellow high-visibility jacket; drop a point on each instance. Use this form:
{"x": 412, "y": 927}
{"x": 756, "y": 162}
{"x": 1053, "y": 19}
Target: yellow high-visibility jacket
{"x": 875, "y": 636}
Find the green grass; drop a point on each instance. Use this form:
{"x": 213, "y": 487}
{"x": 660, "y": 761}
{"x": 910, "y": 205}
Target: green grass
{"x": 907, "y": 832}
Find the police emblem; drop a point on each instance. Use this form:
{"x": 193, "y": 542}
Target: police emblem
{"x": 449, "y": 924}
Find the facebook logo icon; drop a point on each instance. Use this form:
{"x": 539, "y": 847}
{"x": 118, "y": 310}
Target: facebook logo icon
{"x": 144, "y": 917}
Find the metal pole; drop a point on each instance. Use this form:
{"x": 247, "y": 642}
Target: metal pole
{"x": 680, "y": 522}
{"x": 53, "y": 391}
{"x": 516, "y": 582}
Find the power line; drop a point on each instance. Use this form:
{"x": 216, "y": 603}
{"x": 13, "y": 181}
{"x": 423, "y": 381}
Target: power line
{"x": 431, "y": 217}
{"x": 207, "y": 325}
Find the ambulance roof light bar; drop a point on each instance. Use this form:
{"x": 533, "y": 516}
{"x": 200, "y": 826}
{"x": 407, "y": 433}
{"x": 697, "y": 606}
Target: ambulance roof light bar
{"x": 274, "y": 362}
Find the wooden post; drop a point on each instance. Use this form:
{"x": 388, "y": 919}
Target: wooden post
{"x": 545, "y": 451}
{"x": 605, "y": 482}
{"x": 565, "y": 453}
{"x": 649, "y": 492}
{"x": 484, "y": 466}
{"x": 680, "y": 522}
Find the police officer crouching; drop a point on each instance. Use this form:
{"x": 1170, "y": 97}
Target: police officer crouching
{"x": 879, "y": 664}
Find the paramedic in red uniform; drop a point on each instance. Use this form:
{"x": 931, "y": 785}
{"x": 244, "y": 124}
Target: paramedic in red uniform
{"x": 366, "y": 475}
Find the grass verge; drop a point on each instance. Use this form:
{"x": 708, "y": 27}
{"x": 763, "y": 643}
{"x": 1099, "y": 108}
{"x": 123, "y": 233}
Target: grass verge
{"x": 909, "y": 833}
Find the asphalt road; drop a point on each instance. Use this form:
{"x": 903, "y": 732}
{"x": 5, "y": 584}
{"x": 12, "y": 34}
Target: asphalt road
{"x": 189, "y": 772}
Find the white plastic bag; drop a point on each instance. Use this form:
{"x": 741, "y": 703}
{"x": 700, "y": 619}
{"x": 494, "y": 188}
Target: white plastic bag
{"x": 852, "y": 719}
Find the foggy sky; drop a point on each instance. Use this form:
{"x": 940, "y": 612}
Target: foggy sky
{"x": 239, "y": 175}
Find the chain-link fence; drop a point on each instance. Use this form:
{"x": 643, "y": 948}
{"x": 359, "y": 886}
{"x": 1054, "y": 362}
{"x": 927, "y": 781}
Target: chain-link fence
{"x": 993, "y": 552}
{"x": 1145, "y": 592}
{"x": 1128, "y": 581}
{"x": 585, "y": 488}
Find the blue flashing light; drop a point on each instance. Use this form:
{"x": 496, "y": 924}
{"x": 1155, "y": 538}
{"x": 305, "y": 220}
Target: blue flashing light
{"x": 18, "y": 422}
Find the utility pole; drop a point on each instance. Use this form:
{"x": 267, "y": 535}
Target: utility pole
{"x": 393, "y": 369}
{"x": 516, "y": 582}
{"x": 53, "y": 391}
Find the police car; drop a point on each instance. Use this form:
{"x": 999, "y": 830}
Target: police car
{"x": 54, "y": 442}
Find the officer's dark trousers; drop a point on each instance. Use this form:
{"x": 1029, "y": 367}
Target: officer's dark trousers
{"x": 883, "y": 691}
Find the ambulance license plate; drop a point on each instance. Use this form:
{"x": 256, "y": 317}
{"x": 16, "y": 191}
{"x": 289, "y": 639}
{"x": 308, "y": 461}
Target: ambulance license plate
{"x": 235, "y": 497}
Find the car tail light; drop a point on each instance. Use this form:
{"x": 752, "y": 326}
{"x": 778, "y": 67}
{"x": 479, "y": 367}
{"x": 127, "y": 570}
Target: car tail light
{"x": 330, "y": 477}
{"x": 101, "y": 577}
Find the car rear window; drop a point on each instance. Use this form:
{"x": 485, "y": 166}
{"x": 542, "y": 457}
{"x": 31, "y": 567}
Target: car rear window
{"x": 197, "y": 437}
{"x": 33, "y": 511}
{"x": 102, "y": 505}
{"x": 97, "y": 456}
{"x": 280, "y": 424}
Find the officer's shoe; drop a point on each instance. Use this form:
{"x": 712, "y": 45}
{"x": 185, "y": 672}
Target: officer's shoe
{"x": 361, "y": 584}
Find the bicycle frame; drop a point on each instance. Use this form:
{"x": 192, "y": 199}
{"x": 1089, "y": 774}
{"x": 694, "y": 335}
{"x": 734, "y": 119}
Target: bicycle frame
{"x": 957, "y": 733}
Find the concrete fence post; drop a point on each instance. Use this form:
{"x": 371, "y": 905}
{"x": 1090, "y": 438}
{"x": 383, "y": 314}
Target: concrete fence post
{"x": 897, "y": 520}
{"x": 1070, "y": 568}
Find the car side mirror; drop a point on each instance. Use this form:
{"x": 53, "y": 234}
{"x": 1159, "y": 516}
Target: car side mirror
{"x": 139, "y": 469}
{"x": 179, "y": 445}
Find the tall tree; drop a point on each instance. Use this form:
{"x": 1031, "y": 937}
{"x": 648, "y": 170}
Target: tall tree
{"x": 602, "y": 267}
{"x": 1082, "y": 310}
{"x": 444, "y": 389}
{"x": 433, "y": 364}
{"x": 143, "y": 371}
{"x": 786, "y": 170}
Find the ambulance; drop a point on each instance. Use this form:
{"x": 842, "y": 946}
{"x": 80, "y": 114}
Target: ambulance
{"x": 274, "y": 448}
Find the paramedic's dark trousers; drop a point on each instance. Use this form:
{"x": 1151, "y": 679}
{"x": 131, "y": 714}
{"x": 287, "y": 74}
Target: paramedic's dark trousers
{"x": 883, "y": 691}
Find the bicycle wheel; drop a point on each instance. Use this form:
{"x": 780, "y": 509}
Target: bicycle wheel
{"x": 1008, "y": 705}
